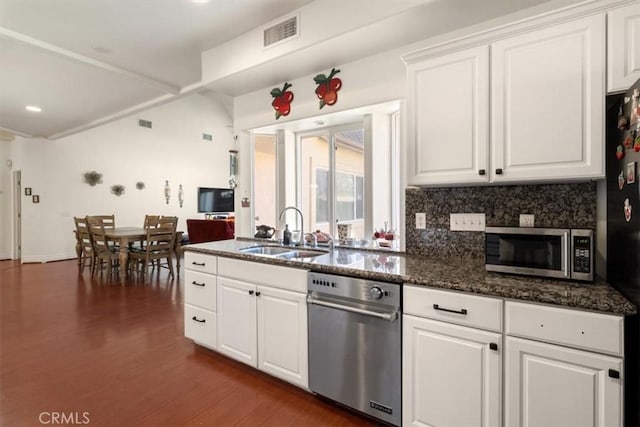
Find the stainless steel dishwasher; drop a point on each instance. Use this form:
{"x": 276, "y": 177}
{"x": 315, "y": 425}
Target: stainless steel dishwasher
{"x": 355, "y": 337}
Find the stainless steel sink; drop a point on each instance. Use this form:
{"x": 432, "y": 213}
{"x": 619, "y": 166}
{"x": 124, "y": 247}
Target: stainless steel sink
{"x": 283, "y": 252}
{"x": 301, "y": 254}
{"x": 265, "y": 250}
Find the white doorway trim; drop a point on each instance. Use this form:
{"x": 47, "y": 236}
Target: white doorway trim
{"x": 17, "y": 215}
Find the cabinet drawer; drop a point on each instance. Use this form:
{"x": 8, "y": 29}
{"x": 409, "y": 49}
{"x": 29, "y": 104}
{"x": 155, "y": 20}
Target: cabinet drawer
{"x": 200, "y": 262}
{"x": 462, "y": 309}
{"x": 200, "y": 289}
{"x": 291, "y": 279}
{"x": 200, "y": 326}
{"x": 580, "y": 329}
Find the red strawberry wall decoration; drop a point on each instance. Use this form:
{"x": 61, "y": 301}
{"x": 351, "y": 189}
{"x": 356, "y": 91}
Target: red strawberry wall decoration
{"x": 328, "y": 87}
{"x": 282, "y": 100}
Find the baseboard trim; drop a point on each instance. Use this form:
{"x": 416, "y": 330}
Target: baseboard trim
{"x": 47, "y": 258}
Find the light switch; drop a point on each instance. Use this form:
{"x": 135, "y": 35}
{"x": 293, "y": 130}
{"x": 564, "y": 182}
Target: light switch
{"x": 421, "y": 221}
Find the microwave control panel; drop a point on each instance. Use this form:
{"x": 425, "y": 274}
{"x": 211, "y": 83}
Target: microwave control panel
{"x": 582, "y": 254}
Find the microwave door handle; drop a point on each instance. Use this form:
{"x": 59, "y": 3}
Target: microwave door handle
{"x": 565, "y": 254}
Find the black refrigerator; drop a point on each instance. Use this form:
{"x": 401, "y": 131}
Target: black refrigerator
{"x": 623, "y": 227}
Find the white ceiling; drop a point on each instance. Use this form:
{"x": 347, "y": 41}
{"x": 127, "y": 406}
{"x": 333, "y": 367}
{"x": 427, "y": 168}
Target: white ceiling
{"x": 88, "y": 61}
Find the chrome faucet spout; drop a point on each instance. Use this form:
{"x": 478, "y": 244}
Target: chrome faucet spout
{"x": 301, "y": 241}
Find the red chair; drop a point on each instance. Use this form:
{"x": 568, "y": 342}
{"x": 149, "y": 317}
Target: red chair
{"x": 210, "y": 230}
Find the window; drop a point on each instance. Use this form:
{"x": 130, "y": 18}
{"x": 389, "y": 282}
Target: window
{"x": 349, "y": 196}
{"x": 346, "y": 173}
{"x": 331, "y": 179}
{"x": 264, "y": 179}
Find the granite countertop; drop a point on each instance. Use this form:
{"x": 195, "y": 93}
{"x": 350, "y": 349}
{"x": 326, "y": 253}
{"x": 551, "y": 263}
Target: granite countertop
{"x": 454, "y": 274}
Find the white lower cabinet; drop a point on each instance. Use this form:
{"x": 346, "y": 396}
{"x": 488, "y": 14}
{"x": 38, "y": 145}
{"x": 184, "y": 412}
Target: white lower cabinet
{"x": 237, "y": 332}
{"x": 264, "y": 326}
{"x": 549, "y": 385}
{"x": 200, "y": 299}
{"x": 452, "y": 369}
{"x": 282, "y": 334}
{"x": 452, "y": 375}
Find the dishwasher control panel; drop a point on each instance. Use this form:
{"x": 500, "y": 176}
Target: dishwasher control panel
{"x": 355, "y": 288}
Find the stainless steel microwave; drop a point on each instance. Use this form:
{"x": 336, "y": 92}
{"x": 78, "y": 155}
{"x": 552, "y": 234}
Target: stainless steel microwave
{"x": 546, "y": 252}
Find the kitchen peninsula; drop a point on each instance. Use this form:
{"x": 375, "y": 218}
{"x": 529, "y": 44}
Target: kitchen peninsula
{"x": 467, "y": 334}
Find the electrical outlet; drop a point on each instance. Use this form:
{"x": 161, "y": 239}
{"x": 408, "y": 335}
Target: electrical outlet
{"x": 467, "y": 222}
{"x": 527, "y": 220}
{"x": 421, "y": 221}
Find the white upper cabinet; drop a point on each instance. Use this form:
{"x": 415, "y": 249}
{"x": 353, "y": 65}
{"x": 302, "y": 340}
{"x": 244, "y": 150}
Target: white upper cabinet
{"x": 547, "y": 93}
{"x": 623, "y": 47}
{"x": 525, "y": 104}
{"x": 449, "y": 118}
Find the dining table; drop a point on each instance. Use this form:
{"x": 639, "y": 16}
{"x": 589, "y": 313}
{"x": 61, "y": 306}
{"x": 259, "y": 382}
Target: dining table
{"x": 126, "y": 235}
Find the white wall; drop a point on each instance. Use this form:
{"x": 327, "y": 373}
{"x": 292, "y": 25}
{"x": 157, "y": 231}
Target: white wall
{"x": 373, "y": 80}
{"x": 124, "y": 153}
{"x": 247, "y": 51}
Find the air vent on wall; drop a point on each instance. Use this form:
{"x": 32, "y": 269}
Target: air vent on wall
{"x": 281, "y": 31}
{"x": 144, "y": 123}
{"x": 207, "y": 137}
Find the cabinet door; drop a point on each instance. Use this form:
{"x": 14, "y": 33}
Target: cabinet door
{"x": 237, "y": 320}
{"x": 451, "y": 375}
{"x": 548, "y": 385}
{"x": 547, "y": 95}
{"x": 282, "y": 334}
{"x": 623, "y": 47}
{"x": 448, "y": 118}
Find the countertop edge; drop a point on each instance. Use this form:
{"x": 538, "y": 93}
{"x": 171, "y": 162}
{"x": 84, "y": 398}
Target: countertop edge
{"x": 512, "y": 289}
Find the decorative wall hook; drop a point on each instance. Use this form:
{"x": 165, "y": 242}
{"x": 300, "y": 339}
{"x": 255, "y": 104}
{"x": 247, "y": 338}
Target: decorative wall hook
{"x": 167, "y": 191}
{"x": 118, "y": 189}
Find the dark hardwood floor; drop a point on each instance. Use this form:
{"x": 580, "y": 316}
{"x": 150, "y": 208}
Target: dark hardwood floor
{"x": 105, "y": 354}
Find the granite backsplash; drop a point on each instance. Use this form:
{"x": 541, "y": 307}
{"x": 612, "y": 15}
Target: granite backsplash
{"x": 554, "y": 205}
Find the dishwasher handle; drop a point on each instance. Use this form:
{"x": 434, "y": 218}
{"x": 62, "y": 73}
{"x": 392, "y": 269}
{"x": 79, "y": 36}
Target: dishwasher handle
{"x": 385, "y": 316}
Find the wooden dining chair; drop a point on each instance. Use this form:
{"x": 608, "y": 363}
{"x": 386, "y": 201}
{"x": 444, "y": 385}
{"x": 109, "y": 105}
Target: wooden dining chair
{"x": 86, "y": 255}
{"x": 104, "y": 250}
{"x": 158, "y": 244}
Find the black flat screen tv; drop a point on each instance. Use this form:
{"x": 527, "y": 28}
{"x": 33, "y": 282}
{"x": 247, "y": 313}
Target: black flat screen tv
{"x": 215, "y": 200}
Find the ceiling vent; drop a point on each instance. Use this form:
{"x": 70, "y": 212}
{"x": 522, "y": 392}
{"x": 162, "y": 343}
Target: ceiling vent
{"x": 144, "y": 123}
{"x": 281, "y": 31}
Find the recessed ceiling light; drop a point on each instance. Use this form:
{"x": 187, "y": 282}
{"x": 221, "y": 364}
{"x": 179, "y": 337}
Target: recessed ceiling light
{"x": 33, "y": 108}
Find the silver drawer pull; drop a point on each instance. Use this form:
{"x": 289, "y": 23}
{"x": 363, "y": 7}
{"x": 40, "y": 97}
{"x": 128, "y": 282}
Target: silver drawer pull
{"x": 385, "y": 316}
{"x": 197, "y": 284}
{"x": 462, "y": 311}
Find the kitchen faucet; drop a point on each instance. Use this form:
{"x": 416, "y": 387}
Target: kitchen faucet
{"x": 301, "y": 242}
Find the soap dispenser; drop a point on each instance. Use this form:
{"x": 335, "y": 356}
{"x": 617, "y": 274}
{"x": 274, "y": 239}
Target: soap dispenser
{"x": 286, "y": 235}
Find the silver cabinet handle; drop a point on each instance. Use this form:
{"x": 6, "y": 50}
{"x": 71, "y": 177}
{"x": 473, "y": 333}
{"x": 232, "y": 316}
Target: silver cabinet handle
{"x": 385, "y": 316}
